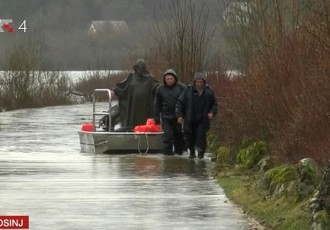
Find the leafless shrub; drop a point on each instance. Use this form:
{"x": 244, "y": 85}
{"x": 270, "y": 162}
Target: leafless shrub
{"x": 284, "y": 97}
{"x": 24, "y": 85}
{"x": 181, "y": 38}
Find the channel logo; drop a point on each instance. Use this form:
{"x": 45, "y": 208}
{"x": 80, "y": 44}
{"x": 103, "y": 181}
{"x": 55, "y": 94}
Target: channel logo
{"x": 14, "y": 222}
{"x": 6, "y": 26}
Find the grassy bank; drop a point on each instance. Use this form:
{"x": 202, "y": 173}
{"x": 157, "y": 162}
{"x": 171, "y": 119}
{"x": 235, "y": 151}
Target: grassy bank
{"x": 273, "y": 213}
{"x": 287, "y": 196}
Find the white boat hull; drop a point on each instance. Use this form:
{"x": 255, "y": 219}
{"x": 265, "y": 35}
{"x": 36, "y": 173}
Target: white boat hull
{"x": 120, "y": 142}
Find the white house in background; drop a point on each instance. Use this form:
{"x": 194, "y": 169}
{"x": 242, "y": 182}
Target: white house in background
{"x": 107, "y": 27}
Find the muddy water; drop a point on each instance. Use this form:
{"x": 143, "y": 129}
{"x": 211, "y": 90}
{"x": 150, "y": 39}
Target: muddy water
{"x": 44, "y": 175}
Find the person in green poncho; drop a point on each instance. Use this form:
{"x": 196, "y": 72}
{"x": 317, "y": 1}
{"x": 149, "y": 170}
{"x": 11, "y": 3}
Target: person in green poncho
{"x": 136, "y": 95}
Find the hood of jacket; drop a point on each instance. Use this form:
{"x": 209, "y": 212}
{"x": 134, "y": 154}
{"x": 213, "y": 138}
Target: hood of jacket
{"x": 140, "y": 67}
{"x": 171, "y": 72}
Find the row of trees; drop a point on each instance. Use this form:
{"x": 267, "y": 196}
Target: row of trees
{"x": 283, "y": 49}
{"x": 23, "y": 86}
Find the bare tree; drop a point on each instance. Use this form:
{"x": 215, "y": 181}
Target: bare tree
{"x": 182, "y": 37}
{"x": 19, "y": 81}
{"x": 283, "y": 49}
{"x": 24, "y": 85}
{"x": 259, "y": 27}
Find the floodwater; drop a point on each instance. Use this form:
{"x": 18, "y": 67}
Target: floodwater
{"x": 44, "y": 175}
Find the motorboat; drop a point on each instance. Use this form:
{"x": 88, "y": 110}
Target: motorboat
{"x": 105, "y": 138}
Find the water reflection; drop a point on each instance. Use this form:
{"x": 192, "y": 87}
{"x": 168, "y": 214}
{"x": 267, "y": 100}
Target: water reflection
{"x": 177, "y": 166}
{"x": 163, "y": 166}
{"x": 147, "y": 166}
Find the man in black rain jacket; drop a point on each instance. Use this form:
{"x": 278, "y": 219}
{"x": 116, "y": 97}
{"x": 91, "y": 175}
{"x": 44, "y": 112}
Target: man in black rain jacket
{"x": 195, "y": 108}
{"x": 164, "y": 105}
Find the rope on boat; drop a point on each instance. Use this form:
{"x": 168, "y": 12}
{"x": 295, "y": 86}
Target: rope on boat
{"x": 139, "y": 143}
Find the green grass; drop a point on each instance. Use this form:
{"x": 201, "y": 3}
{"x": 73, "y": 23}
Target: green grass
{"x": 275, "y": 213}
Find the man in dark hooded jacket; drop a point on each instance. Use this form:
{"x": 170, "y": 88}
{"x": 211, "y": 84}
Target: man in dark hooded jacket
{"x": 136, "y": 95}
{"x": 165, "y": 102}
{"x": 195, "y": 108}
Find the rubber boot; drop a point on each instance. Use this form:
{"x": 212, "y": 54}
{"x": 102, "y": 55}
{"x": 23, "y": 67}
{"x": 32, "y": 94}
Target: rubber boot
{"x": 200, "y": 153}
{"x": 168, "y": 150}
{"x": 192, "y": 153}
{"x": 178, "y": 150}
{"x": 180, "y": 153}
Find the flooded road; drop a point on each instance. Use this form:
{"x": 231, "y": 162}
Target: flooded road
{"x": 43, "y": 175}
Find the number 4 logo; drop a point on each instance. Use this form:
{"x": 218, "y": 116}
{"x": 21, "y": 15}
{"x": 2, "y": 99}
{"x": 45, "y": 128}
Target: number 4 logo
{"x": 6, "y": 26}
{"x": 23, "y": 26}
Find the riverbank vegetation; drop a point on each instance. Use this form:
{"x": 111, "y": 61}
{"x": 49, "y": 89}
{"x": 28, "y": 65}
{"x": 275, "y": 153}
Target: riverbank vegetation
{"x": 22, "y": 85}
{"x": 286, "y": 196}
{"x": 283, "y": 93}
{"x": 281, "y": 98}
